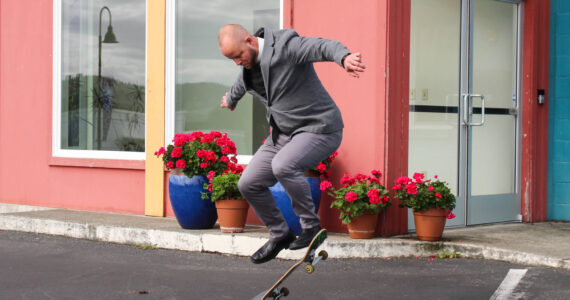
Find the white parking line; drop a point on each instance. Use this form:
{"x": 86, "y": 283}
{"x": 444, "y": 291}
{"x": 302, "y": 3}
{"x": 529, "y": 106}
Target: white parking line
{"x": 509, "y": 284}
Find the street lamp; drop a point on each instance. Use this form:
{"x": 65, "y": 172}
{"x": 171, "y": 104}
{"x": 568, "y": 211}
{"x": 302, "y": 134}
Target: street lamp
{"x": 109, "y": 39}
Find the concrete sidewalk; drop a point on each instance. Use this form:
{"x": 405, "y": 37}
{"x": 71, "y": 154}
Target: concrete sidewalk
{"x": 543, "y": 244}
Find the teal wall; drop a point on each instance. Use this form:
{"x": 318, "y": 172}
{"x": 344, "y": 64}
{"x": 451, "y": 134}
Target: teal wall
{"x": 559, "y": 114}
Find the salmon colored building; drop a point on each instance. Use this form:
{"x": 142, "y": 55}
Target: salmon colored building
{"x": 89, "y": 90}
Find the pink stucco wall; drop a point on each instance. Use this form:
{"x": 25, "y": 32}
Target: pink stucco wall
{"x": 28, "y": 173}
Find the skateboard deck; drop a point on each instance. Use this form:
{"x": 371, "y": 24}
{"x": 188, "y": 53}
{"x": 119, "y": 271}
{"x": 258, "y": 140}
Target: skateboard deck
{"x": 275, "y": 292}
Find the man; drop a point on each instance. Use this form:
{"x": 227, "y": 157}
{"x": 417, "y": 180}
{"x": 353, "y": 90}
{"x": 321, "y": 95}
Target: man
{"x": 306, "y": 125}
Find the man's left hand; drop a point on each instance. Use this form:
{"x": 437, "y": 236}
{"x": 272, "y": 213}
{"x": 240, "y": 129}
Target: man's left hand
{"x": 353, "y": 64}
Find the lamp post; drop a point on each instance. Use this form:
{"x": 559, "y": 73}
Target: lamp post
{"x": 109, "y": 39}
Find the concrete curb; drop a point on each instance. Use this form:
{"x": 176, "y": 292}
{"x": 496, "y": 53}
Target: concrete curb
{"x": 337, "y": 245}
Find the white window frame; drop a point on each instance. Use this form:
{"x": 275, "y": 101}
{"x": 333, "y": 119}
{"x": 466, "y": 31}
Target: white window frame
{"x": 57, "y": 151}
{"x": 170, "y": 79}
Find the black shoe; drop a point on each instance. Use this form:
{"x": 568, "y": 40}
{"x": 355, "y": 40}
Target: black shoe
{"x": 270, "y": 250}
{"x": 305, "y": 238}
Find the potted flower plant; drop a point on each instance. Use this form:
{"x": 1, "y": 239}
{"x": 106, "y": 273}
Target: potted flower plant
{"x": 431, "y": 201}
{"x": 190, "y": 158}
{"x": 230, "y": 204}
{"x": 359, "y": 200}
{"x": 313, "y": 176}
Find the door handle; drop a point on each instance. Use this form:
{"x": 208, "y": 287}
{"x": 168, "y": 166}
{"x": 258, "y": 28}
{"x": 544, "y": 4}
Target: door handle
{"x": 468, "y": 109}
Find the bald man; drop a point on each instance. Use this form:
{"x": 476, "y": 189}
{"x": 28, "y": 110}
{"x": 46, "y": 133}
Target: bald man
{"x": 306, "y": 125}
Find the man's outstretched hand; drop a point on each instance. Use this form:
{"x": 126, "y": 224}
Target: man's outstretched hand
{"x": 353, "y": 64}
{"x": 225, "y": 103}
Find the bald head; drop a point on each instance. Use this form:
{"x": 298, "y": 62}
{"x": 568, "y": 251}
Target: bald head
{"x": 232, "y": 33}
{"x": 237, "y": 44}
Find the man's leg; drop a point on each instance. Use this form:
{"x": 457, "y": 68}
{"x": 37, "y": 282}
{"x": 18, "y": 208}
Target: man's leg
{"x": 254, "y": 186}
{"x": 304, "y": 151}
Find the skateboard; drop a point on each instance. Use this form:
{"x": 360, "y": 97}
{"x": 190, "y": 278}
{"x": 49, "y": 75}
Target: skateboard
{"x": 277, "y": 292}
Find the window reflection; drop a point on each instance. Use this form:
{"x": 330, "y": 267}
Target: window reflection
{"x": 103, "y": 75}
{"x": 204, "y": 75}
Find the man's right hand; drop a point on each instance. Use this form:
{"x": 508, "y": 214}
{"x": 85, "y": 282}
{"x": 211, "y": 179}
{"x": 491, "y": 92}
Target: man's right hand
{"x": 225, "y": 103}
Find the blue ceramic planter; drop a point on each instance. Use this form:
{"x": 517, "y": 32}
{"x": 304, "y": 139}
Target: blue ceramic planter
{"x": 284, "y": 202}
{"x": 192, "y": 212}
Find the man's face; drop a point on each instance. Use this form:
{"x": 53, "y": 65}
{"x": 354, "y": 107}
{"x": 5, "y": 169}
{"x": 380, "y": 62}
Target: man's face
{"x": 243, "y": 54}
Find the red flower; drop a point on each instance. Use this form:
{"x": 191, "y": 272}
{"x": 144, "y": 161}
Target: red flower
{"x": 263, "y": 142}
{"x": 203, "y": 165}
{"x": 180, "y": 139}
{"x": 160, "y": 151}
{"x": 397, "y": 187}
{"x": 177, "y": 152}
{"x": 325, "y": 185}
{"x": 201, "y": 153}
{"x": 403, "y": 180}
{"x": 435, "y": 177}
{"x": 418, "y": 177}
{"x": 351, "y": 197}
{"x": 210, "y": 187}
{"x": 438, "y": 195}
{"x": 170, "y": 165}
{"x": 373, "y": 193}
{"x": 180, "y": 164}
{"x": 322, "y": 167}
{"x": 225, "y": 159}
{"x": 450, "y": 215}
{"x": 376, "y": 173}
{"x": 345, "y": 180}
{"x": 412, "y": 189}
{"x": 430, "y": 188}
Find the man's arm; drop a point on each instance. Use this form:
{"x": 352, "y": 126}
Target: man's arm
{"x": 230, "y": 100}
{"x": 308, "y": 50}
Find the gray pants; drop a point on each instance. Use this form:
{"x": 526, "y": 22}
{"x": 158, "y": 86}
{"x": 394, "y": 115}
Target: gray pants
{"x": 286, "y": 162}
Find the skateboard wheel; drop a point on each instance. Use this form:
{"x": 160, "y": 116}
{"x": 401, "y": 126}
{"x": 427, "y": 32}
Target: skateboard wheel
{"x": 324, "y": 255}
{"x": 309, "y": 269}
{"x": 284, "y": 291}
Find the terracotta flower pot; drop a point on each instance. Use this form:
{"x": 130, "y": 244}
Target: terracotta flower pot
{"x": 232, "y": 215}
{"x": 363, "y": 226}
{"x": 430, "y": 224}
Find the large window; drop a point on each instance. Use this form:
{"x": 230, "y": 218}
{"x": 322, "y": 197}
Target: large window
{"x": 203, "y": 75}
{"x": 99, "y": 78}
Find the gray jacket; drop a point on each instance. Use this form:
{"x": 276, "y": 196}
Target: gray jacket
{"x": 296, "y": 99}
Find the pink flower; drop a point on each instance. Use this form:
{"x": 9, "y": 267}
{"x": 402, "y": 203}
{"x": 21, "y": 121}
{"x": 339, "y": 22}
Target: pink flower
{"x": 396, "y": 187}
{"x": 210, "y": 187}
{"x": 263, "y": 142}
{"x": 376, "y": 173}
{"x": 450, "y": 215}
{"x": 177, "y": 152}
{"x": 170, "y": 165}
{"x": 211, "y": 175}
{"x": 435, "y": 177}
{"x": 180, "y": 164}
{"x": 351, "y": 197}
{"x": 430, "y": 188}
{"x": 322, "y": 167}
{"x": 325, "y": 185}
{"x": 438, "y": 195}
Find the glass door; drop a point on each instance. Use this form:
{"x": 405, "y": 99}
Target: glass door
{"x": 464, "y": 88}
{"x": 489, "y": 101}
